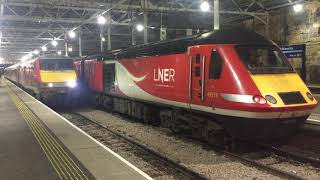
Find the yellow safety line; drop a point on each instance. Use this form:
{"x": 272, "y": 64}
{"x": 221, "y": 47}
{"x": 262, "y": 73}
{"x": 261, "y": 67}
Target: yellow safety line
{"x": 43, "y": 140}
{"x": 44, "y": 148}
{"x": 48, "y": 143}
{"x": 29, "y": 116}
{"x": 66, "y": 159}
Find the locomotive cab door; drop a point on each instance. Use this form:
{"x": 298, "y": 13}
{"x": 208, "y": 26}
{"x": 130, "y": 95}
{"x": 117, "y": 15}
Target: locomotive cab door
{"x": 197, "y": 76}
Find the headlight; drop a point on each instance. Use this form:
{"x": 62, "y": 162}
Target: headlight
{"x": 72, "y": 84}
{"x": 309, "y": 95}
{"x": 50, "y": 85}
{"x": 271, "y": 99}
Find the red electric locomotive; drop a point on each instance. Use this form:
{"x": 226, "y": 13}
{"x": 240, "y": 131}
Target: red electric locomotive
{"x": 50, "y": 78}
{"x": 230, "y": 81}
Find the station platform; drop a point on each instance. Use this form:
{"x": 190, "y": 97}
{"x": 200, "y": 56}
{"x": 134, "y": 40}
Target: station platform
{"x": 37, "y": 143}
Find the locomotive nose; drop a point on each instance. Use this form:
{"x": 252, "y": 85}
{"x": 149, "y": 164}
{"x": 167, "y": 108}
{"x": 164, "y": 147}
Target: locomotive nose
{"x": 283, "y": 89}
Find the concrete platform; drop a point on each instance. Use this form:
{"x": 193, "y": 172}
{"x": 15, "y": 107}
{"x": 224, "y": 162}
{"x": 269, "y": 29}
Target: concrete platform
{"x": 37, "y": 143}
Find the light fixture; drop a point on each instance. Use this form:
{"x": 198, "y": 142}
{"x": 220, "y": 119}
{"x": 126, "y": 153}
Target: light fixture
{"x": 316, "y": 25}
{"x": 24, "y": 58}
{"x": 72, "y": 34}
{"x": 102, "y": 20}
{"x": 70, "y": 49}
{"x": 59, "y": 52}
{"x": 50, "y": 85}
{"x": 140, "y": 27}
{"x": 205, "y": 6}
{"x": 1, "y": 60}
{"x": 103, "y": 39}
{"x": 36, "y": 52}
{"x": 297, "y": 7}
{"x": 54, "y": 43}
{"x": 44, "y": 48}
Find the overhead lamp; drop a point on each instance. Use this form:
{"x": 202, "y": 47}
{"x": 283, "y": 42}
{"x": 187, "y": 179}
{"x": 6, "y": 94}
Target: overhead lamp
{"x": 70, "y": 49}
{"x": 44, "y": 48}
{"x": 103, "y": 39}
{"x": 24, "y": 58}
{"x": 205, "y": 6}
{"x": 72, "y": 34}
{"x": 54, "y": 43}
{"x": 36, "y": 52}
{"x": 297, "y": 7}
{"x": 102, "y": 20}
{"x": 140, "y": 27}
{"x": 59, "y": 52}
{"x": 1, "y": 60}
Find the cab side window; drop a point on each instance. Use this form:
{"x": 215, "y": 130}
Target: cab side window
{"x": 215, "y": 68}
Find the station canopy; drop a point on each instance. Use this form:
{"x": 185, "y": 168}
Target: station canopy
{"x": 28, "y": 25}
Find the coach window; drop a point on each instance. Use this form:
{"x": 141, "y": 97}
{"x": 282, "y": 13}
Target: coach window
{"x": 198, "y": 59}
{"x": 215, "y": 68}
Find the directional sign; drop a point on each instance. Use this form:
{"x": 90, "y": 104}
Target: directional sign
{"x": 294, "y": 51}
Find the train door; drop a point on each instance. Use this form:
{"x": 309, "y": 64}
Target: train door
{"x": 197, "y": 94}
{"x": 109, "y": 78}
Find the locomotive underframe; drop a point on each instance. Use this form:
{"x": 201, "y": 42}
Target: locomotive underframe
{"x": 208, "y": 127}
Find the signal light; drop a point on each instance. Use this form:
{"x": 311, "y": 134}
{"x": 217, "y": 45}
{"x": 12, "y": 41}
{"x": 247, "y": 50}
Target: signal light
{"x": 259, "y": 99}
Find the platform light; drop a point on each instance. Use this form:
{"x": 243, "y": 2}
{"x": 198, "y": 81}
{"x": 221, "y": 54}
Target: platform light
{"x": 72, "y": 34}
{"x": 59, "y": 52}
{"x": 54, "y": 43}
{"x": 103, "y": 39}
{"x": 205, "y": 6}
{"x": 36, "y": 52}
{"x": 297, "y": 7}
{"x": 70, "y": 49}
{"x": 44, "y": 48}
{"x": 139, "y": 27}
{"x": 101, "y": 20}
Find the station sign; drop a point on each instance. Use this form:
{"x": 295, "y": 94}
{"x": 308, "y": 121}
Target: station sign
{"x": 294, "y": 51}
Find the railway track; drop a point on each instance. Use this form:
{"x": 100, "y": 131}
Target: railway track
{"x": 158, "y": 166}
{"x": 182, "y": 172}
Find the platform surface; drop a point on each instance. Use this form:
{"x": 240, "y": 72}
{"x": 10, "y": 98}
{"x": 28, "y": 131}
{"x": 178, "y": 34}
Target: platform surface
{"x": 37, "y": 143}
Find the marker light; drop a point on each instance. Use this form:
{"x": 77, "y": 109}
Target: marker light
{"x": 271, "y": 99}
{"x": 309, "y": 95}
{"x": 205, "y": 6}
{"x": 103, "y": 39}
{"x": 140, "y": 27}
{"x": 72, "y": 84}
{"x": 102, "y": 20}
{"x": 259, "y": 99}
{"x": 50, "y": 85}
{"x": 297, "y": 7}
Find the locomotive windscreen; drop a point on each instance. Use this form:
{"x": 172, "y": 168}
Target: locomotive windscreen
{"x": 264, "y": 59}
{"x": 56, "y": 64}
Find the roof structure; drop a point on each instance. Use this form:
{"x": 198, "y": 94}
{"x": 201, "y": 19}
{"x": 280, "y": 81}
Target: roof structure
{"x": 27, "y": 25}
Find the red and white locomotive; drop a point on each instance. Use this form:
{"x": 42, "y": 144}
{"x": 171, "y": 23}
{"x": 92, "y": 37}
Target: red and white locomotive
{"x": 233, "y": 81}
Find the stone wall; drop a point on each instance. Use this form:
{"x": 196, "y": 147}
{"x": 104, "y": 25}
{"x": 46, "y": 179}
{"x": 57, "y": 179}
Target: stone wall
{"x": 289, "y": 27}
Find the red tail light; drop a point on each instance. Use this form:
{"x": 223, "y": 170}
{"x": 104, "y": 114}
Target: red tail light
{"x": 259, "y": 99}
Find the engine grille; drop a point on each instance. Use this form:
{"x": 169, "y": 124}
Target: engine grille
{"x": 292, "y": 98}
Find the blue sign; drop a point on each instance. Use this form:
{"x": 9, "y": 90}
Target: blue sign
{"x": 294, "y": 51}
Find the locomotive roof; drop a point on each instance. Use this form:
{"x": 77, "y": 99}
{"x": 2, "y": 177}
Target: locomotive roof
{"x": 238, "y": 36}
